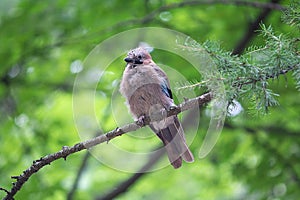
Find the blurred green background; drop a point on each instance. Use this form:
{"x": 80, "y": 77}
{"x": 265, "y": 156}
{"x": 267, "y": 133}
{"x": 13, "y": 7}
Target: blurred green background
{"x": 42, "y": 47}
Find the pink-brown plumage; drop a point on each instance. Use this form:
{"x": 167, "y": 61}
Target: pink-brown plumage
{"x": 147, "y": 89}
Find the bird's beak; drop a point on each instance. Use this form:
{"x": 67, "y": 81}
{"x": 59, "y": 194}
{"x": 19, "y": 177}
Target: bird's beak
{"x": 128, "y": 60}
{"x": 134, "y": 61}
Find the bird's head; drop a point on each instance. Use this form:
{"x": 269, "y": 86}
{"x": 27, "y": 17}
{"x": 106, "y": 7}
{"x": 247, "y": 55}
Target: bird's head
{"x": 138, "y": 56}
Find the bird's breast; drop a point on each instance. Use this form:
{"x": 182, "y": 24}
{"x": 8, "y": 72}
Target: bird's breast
{"x": 136, "y": 78}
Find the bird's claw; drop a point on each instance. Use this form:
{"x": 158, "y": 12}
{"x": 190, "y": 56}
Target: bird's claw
{"x": 173, "y": 107}
{"x": 141, "y": 121}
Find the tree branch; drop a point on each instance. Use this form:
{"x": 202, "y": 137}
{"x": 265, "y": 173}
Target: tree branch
{"x": 151, "y": 16}
{"x": 66, "y": 151}
{"x": 266, "y": 77}
{"x": 78, "y": 176}
{"x": 267, "y": 6}
{"x": 255, "y": 26}
{"x": 38, "y": 164}
{"x": 125, "y": 185}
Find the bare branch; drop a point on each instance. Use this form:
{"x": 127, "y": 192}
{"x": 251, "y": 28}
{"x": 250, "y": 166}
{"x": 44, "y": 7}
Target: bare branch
{"x": 66, "y": 151}
{"x": 151, "y": 16}
{"x": 78, "y": 176}
{"x": 254, "y": 26}
{"x": 269, "y": 6}
{"x": 125, "y": 185}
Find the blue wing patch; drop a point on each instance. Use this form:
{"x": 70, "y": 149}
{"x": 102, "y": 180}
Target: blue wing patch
{"x": 166, "y": 90}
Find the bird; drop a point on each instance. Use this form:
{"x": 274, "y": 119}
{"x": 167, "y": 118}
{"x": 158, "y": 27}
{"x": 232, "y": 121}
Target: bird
{"x": 146, "y": 89}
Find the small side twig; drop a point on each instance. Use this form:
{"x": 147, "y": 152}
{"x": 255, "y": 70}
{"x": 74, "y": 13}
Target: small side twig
{"x": 5, "y": 190}
{"x": 269, "y": 76}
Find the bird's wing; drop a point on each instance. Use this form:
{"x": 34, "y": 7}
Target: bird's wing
{"x": 166, "y": 90}
{"x": 165, "y": 84}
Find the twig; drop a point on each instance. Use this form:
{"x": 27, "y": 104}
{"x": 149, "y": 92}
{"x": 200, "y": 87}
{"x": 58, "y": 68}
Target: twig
{"x": 270, "y": 76}
{"x": 66, "y": 151}
{"x": 5, "y": 190}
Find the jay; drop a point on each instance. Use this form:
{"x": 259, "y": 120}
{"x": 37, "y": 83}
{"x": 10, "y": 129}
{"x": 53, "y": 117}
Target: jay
{"x": 146, "y": 89}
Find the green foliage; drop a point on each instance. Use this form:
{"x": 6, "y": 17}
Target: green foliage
{"x": 256, "y": 157}
{"x": 247, "y": 76}
{"x": 292, "y": 14}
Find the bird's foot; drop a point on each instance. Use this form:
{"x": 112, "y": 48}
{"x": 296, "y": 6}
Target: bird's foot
{"x": 172, "y": 107}
{"x": 141, "y": 121}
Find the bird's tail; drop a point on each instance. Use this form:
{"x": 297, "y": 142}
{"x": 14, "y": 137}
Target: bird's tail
{"x": 174, "y": 140}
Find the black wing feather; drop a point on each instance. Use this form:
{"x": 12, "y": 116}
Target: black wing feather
{"x": 166, "y": 90}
